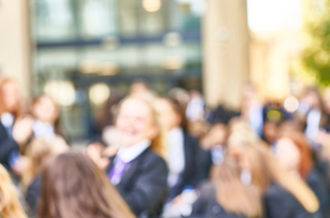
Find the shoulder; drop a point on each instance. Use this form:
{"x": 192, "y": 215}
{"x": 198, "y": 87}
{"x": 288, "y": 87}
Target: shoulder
{"x": 150, "y": 159}
{"x": 276, "y": 193}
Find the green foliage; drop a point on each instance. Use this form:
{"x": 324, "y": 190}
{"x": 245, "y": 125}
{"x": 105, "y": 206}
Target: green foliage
{"x": 316, "y": 55}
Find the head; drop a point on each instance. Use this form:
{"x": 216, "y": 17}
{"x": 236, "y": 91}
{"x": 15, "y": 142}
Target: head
{"x": 10, "y": 206}
{"x": 45, "y": 109}
{"x": 172, "y": 114}
{"x": 234, "y": 196}
{"x": 139, "y": 87}
{"x": 9, "y": 97}
{"x": 137, "y": 120}
{"x": 294, "y": 153}
{"x": 271, "y": 131}
{"x": 217, "y": 135}
{"x": 37, "y": 153}
{"x": 264, "y": 169}
{"x": 73, "y": 186}
{"x": 313, "y": 97}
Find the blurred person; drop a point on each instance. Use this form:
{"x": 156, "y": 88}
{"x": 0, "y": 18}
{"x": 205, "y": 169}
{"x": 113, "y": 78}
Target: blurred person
{"x": 46, "y": 114}
{"x": 10, "y": 206}
{"x": 312, "y": 109}
{"x": 226, "y": 196}
{"x": 252, "y": 109}
{"x": 181, "y": 95}
{"x": 140, "y": 87}
{"x": 106, "y": 118}
{"x": 214, "y": 145}
{"x": 39, "y": 150}
{"x": 326, "y": 105}
{"x": 183, "y": 149}
{"x": 11, "y": 138}
{"x": 294, "y": 154}
{"x": 137, "y": 170}
{"x": 73, "y": 186}
{"x": 285, "y": 196}
{"x": 270, "y": 132}
{"x": 195, "y": 106}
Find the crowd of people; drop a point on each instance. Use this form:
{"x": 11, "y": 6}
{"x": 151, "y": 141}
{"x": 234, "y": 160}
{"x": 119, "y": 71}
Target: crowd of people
{"x": 169, "y": 156}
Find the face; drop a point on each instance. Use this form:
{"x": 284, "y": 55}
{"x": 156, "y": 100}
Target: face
{"x": 10, "y": 96}
{"x": 134, "y": 122}
{"x": 45, "y": 110}
{"x": 169, "y": 118}
{"x": 287, "y": 153}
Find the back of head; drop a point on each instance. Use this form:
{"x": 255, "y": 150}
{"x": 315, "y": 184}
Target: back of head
{"x": 73, "y": 186}
{"x": 38, "y": 150}
{"x": 9, "y": 204}
{"x": 234, "y": 196}
{"x": 265, "y": 169}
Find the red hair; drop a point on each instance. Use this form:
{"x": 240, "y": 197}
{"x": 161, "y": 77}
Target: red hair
{"x": 18, "y": 109}
{"x": 306, "y": 163}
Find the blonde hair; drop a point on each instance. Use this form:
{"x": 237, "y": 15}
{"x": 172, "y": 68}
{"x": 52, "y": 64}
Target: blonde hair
{"x": 10, "y": 206}
{"x": 234, "y": 196}
{"x": 265, "y": 169}
{"x": 158, "y": 144}
{"x": 38, "y": 150}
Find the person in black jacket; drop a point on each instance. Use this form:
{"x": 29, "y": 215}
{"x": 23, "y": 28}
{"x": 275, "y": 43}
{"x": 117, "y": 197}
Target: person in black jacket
{"x": 285, "y": 196}
{"x": 295, "y": 154}
{"x": 137, "y": 170}
{"x": 10, "y": 110}
{"x": 183, "y": 149}
{"x": 226, "y": 196}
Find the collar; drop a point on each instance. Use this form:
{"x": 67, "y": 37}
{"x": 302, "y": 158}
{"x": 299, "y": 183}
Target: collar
{"x": 177, "y": 131}
{"x": 127, "y": 154}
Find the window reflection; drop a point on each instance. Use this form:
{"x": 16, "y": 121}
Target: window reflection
{"x": 98, "y": 18}
{"x": 54, "y": 19}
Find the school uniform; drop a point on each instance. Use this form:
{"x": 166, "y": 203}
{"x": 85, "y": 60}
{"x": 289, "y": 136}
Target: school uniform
{"x": 140, "y": 176}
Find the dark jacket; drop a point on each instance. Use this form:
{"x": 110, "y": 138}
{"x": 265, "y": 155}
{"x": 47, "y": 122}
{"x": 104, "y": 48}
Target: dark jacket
{"x": 33, "y": 194}
{"x": 207, "y": 205}
{"x": 7, "y": 146}
{"x": 192, "y": 173}
{"x": 144, "y": 184}
{"x": 281, "y": 204}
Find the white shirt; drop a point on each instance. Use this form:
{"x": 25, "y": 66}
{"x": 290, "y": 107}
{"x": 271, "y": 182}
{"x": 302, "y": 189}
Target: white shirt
{"x": 127, "y": 154}
{"x": 313, "y": 123}
{"x": 45, "y": 130}
{"x": 176, "y": 158}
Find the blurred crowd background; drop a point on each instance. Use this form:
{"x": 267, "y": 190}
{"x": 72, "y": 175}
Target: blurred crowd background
{"x": 192, "y": 108}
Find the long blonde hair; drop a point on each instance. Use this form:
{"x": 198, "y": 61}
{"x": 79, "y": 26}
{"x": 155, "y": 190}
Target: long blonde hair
{"x": 265, "y": 169}
{"x": 10, "y": 206}
{"x": 158, "y": 144}
{"x": 232, "y": 195}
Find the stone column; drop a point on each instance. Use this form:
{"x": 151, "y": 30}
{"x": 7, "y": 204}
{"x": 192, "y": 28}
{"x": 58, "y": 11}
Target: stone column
{"x": 15, "y": 42}
{"x": 226, "y": 52}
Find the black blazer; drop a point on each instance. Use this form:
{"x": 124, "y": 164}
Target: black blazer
{"x": 192, "y": 174}
{"x": 144, "y": 184}
{"x": 33, "y": 194}
{"x": 281, "y": 204}
{"x": 208, "y": 206}
{"x": 7, "y": 145}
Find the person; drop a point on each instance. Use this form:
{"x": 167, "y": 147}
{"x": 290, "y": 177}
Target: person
{"x": 294, "y": 153}
{"x": 10, "y": 206}
{"x": 73, "y": 186}
{"x": 46, "y": 116}
{"x": 137, "y": 170}
{"x": 10, "y": 111}
{"x": 285, "y": 196}
{"x": 39, "y": 150}
{"x": 214, "y": 147}
{"x": 183, "y": 149}
{"x": 226, "y": 196}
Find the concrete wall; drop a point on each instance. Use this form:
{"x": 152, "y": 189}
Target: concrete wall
{"x": 226, "y": 51}
{"x": 15, "y": 42}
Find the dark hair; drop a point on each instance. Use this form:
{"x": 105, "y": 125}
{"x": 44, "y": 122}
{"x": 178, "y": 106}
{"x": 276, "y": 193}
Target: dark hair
{"x": 180, "y": 110}
{"x": 73, "y": 186}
